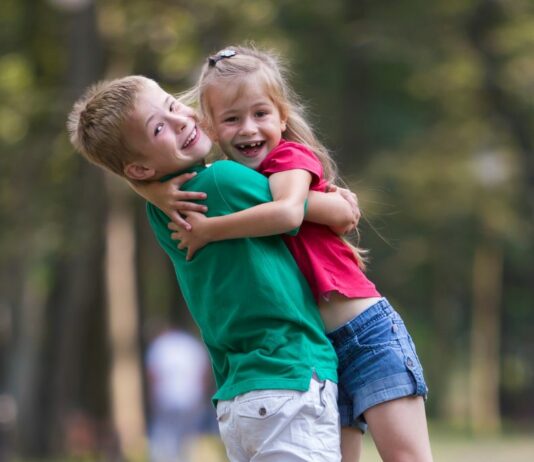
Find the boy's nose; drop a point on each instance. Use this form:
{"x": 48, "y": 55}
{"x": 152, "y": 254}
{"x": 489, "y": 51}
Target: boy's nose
{"x": 179, "y": 122}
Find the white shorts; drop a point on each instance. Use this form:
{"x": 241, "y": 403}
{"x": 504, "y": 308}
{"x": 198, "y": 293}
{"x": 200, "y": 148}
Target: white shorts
{"x": 282, "y": 425}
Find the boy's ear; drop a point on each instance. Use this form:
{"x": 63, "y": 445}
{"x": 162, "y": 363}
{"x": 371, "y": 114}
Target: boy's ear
{"x": 138, "y": 172}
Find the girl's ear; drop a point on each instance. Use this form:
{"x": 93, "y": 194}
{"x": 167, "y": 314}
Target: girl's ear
{"x": 283, "y": 118}
{"x": 138, "y": 172}
{"x": 212, "y": 134}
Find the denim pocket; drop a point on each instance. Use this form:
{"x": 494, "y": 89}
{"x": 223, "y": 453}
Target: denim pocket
{"x": 382, "y": 332}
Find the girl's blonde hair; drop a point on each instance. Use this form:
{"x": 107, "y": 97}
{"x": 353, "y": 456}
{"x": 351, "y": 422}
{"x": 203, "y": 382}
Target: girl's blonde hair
{"x": 268, "y": 69}
{"x": 237, "y": 62}
{"x": 95, "y": 124}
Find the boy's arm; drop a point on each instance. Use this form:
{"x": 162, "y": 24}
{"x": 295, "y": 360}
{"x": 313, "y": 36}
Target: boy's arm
{"x": 168, "y": 197}
{"x": 285, "y": 213}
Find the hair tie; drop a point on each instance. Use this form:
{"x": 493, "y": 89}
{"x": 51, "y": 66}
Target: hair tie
{"x": 226, "y": 53}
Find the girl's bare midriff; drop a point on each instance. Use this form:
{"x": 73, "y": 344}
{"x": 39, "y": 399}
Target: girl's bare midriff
{"x": 339, "y": 310}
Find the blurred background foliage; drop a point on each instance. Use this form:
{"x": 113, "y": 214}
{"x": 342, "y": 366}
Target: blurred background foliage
{"x": 428, "y": 107}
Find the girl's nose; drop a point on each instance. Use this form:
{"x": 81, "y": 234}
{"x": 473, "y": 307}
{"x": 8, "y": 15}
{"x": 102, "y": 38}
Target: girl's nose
{"x": 248, "y": 127}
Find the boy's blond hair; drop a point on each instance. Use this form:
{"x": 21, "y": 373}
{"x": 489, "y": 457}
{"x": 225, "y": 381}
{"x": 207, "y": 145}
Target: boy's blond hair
{"x": 95, "y": 124}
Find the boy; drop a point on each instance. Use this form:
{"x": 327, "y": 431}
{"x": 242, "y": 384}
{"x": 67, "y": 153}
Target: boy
{"x": 274, "y": 367}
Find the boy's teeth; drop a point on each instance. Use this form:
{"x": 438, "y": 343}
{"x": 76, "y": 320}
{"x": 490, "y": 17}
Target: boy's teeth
{"x": 190, "y": 138}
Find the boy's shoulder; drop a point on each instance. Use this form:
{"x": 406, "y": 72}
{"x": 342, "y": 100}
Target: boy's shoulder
{"x": 229, "y": 172}
{"x": 230, "y": 165}
{"x": 237, "y": 185}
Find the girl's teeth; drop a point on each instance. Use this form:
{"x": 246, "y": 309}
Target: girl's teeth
{"x": 251, "y": 145}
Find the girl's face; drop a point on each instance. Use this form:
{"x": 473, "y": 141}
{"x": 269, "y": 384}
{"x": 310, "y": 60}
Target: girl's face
{"x": 165, "y": 132}
{"x": 246, "y": 123}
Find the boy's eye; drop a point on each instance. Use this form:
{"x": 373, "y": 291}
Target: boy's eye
{"x": 172, "y": 107}
{"x": 230, "y": 119}
{"x": 261, "y": 113}
{"x": 158, "y": 129}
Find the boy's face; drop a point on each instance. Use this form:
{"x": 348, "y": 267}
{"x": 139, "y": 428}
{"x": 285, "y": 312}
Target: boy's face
{"x": 246, "y": 122}
{"x": 165, "y": 132}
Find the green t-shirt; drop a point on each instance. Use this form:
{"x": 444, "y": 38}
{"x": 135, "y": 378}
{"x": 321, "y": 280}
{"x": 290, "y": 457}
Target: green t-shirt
{"x": 252, "y": 305}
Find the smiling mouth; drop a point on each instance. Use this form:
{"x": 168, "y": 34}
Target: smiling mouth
{"x": 250, "y": 149}
{"x": 192, "y": 137}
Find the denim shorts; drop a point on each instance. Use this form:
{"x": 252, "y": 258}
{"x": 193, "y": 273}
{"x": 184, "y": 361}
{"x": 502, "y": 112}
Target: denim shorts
{"x": 377, "y": 363}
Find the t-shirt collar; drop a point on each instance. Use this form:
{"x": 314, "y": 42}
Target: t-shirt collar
{"x": 195, "y": 168}
{"x": 280, "y": 143}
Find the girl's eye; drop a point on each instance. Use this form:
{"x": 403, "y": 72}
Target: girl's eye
{"x": 261, "y": 113}
{"x": 172, "y": 107}
{"x": 158, "y": 129}
{"x": 230, "y": 119}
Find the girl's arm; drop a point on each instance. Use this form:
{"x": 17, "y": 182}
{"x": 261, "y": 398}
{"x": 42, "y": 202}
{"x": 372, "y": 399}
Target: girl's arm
{"x": 337, "y": 208}
{"x": 168, "y": 197}
{"x": 285, "y": 213}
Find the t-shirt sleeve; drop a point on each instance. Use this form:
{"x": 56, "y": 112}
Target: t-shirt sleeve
{"x": 158, "y": 222}
{"x": 291, "y": 156}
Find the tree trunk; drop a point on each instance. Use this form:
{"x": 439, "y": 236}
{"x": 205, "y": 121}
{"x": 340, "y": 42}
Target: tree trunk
{"x": 485, "y": 20}
{"x": 485, "y": 338}
{"x": 74, "y": 296}
{"x": 355, "y": 95}
{"x": 126, "y": 369}
{"x": 24, "y": 367}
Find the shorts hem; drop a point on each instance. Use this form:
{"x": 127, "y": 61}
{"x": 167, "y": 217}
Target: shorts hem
{"x": 387, "y": 392}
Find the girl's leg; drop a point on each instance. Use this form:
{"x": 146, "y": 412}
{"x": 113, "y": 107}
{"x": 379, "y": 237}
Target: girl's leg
{"x": 351, "y": 444}
{"x": 399, "y": 430}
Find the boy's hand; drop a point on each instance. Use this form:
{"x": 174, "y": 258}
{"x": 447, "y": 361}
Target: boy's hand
{"x": 352, "y": 199}
{"x": 177, "y": 202}
{"x": 195, "y": 237}
{"x": 168, "y": 197}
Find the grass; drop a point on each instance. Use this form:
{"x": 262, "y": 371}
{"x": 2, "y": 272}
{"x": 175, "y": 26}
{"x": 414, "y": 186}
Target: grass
{"x": 447, "y": 446}
{"x": 451, "y": 446}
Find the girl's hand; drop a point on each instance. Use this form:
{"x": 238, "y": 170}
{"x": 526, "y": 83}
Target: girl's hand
{"x": 352, "y": 199}
{"x": 169, "y": 198}
{"x": 194, "y": 238}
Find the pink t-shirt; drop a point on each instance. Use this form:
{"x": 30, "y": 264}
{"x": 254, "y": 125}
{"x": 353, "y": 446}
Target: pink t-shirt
{"x": 322, "y": 256}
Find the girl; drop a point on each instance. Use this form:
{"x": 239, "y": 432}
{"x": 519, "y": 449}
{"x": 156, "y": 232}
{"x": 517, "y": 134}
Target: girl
{"x": 255, "y": 118}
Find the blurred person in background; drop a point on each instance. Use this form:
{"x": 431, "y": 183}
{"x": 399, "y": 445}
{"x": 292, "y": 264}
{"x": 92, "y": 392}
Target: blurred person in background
{"x": 178, "y": 385}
